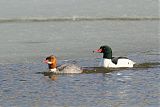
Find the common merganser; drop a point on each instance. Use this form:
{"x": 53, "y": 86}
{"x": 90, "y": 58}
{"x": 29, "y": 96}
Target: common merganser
{"x": 65, "y": 68}
{"x": 52, "y": 63}
{"x": 113, "y": 62}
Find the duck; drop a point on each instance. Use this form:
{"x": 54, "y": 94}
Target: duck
{"x": 113, "y": 62}
{"x": 64, "y": 68}
{"x": 52, "y": 63}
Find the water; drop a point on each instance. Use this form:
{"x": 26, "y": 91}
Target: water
{"x": 25, "y": 43}
{"x": 124, "y": 88}
{"x": 47, "y": 8}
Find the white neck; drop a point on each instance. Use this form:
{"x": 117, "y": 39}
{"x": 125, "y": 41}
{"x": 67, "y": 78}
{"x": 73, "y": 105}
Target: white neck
{"x": 53, "y": 70}
{"x": 105, "y": 62}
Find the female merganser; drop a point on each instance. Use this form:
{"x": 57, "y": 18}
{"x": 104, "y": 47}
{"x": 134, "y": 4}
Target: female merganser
{"x": 113, "y": 62}
{"x": 65, "y": 68}
{"x": 52, "y": 63}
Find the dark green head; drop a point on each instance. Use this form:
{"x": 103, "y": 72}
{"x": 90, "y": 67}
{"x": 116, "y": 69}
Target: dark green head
{"x": 106, "y": 50}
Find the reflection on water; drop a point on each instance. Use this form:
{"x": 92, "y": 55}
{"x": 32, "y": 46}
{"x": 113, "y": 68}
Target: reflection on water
{"x": 22, "y": 86}
{"x": 67, "y": 31}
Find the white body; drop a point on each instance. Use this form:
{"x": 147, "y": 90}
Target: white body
{"x": 121, "y": 63}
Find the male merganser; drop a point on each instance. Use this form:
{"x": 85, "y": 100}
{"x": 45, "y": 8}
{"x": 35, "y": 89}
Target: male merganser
{"x": 113, "y": 62}
{"x": 65, "y": 68}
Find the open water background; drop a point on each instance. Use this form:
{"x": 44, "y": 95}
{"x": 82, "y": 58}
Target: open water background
{"x": 34, "y": 29}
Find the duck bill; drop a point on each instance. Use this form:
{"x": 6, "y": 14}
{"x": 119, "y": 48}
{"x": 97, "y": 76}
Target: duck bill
{"x": 98, "y": 51}
{"x": 45, "y": 61}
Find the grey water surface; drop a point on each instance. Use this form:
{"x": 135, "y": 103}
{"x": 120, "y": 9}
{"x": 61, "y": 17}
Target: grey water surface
{"x": 25, "y": 44}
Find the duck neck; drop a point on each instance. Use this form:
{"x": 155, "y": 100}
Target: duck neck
{"x": 52, "y": 66}
{"x": 107, "y": 52}
{"x": 53, "y": 70}
{"x": 107, "y": 55}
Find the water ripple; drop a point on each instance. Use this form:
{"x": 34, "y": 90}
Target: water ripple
{"x": 74, "y": 18}
{"x": 21, "y": 86}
